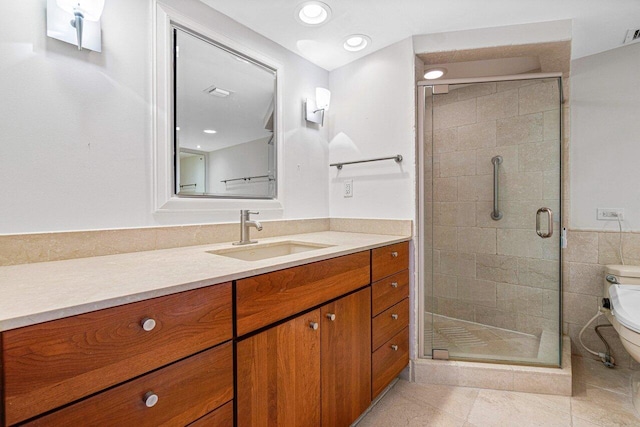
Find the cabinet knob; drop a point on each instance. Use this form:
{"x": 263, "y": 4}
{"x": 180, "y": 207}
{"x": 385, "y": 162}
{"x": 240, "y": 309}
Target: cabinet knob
{"x": 394, "y": 254}
{"x": 148, "y": 324}
{"x": 394, "y": 284}
{"x": 394, "y": 316}
{"x": 331, "y": 316}
{"x": 394, "y": 347}
{"x": 313, "y": 325}
{"x": 150, "y": 399}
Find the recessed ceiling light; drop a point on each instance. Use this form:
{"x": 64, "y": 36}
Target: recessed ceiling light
{"x": 209, "y": 131}
{"x": 356, "y": 42}
{"x": 313, "y": 13}
{"x": 435, "y": 73}
{"x": 177, "y": 127}
{"x": 197, "y": 146}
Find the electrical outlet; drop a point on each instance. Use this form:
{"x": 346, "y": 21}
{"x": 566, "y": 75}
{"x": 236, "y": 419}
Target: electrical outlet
{"x": 348, "y": 188}
{"x": 610, "y": 214}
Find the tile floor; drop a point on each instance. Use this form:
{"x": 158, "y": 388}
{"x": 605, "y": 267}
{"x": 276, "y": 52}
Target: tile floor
{"x": 601, "y": 397}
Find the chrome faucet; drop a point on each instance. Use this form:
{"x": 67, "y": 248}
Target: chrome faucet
{"x": 245, "y": 223}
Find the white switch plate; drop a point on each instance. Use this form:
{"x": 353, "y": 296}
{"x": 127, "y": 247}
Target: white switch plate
{"x": 610, "y": 214}
{"x": 348, "y": 188}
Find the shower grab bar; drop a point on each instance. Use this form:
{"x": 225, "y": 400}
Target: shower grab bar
{"x": 549, "y": 232}
{"x": 397, "y": 158}
{"x": 496, "y": 215}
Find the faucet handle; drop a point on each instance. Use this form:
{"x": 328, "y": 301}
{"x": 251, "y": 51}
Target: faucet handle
{"x": 252, "y": 213}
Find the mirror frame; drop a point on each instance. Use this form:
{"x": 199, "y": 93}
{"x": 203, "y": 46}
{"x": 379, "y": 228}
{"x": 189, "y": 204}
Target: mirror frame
{"x": 165, "y": 199}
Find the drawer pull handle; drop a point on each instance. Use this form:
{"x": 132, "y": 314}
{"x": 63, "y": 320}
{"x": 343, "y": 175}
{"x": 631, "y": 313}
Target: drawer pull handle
{"x": 148, "y": 324}
{"x": 394, "y": 284}
{"x": 394, "y": 254}
{"x": 150, "y": 399}
{"x": 394, "y": 316}
{"x": 313, "y": 325}
{"x": 394, "y": 347}
{"x": 331, "y": 316}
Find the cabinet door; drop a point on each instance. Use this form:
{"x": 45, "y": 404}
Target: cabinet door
{"x": 279, "y": 375}
{"x": 346, "y": 358}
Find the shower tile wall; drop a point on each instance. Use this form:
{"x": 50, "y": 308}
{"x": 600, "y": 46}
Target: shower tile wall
{"x": 498, "y": 273}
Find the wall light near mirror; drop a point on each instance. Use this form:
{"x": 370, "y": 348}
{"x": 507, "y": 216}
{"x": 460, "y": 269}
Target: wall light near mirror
{"x": 435, "y": 73}
{"x": 356, "y": 42}
{"x": 76, "y": 22}
{"x": 314, "y": 111}
{"x": 313, "y": 13}
{"x": 210, "y": 131}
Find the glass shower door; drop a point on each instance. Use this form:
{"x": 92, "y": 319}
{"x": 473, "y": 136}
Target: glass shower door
{"x": 492, "y": 160}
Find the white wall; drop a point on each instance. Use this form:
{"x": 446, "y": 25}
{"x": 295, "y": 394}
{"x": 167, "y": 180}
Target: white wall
{"x": 372, "y": 115}
{"x": 76, "y": 144}
{"x": 605, "y": 138}
{"x": 241, "y": 160}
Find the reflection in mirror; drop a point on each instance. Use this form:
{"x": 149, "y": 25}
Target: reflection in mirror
{"x": 224, "y": 114}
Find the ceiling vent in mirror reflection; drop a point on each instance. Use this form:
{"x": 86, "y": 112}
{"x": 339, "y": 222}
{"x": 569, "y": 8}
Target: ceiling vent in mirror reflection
{"x": 216, "y": 91}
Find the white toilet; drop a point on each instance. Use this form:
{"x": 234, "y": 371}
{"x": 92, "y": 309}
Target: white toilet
{"x": 622, "y": 288}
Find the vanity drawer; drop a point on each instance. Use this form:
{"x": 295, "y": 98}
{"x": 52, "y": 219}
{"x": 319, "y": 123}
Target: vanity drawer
{"x": 389, "y": 291}
{"x": 51, "y": 364}
{"x": 265, "y": 299}
{"x": 387, "y": 363}
{"x": 389, "y": 260}
{"x": 185, "y": 391}
{"x": 390, "y": 322}
{"x": 221, "y": 417}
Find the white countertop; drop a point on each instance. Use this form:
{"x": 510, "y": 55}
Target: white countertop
{"x": 35, "y": 293}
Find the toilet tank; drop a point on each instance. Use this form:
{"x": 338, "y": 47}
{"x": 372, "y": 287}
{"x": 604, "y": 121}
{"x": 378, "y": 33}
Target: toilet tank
{"x": 624, "y": 274}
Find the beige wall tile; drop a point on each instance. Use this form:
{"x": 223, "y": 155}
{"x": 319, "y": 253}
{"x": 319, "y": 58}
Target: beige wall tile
{"x": 445, "y": 98}
{"x": 477, "y": 240}
{"x": 478, "y": 292}
{"x": 552, "y": 125}
{"x": 497, "y": 268}
{"x": 585, "y": 279}
{"x": 543, "y": 156}
{"x": 461, "y": 214}
{"x": 609, "y": 244}
{"x": 581, "y": 247}
{"x": 551, "y": 185}
{"x": 520, "y": 129}
{"x": 519, "y": 299}
{"x": 521, "y": 186}
{"x": 459, "y": 163}
{"x": 521, "y": 243}
{"x": 514, "y": 84}
{"x": 498, "y": 105}
{"x": 454, "y": 114}
{"x": 445, "y": 286}
{"x": 476, "y": 90}
{"x": 445, "y": 238}
{"x": 474, "y": 188}
{"x": 579, "y": 308}
{"x": 534, "y": 325}
{"x": 455, "y": 308}
{"x": 515, "y": 214}
{"x": 551, "y": 304}
{"x": 458, "y": 264}
{"x": 445, "y": 140}
{"x": 540, "y": 97}
{"x": 539, "y": 273}
{"x": 445, "y": 189}
{"x": 477, "y": 135}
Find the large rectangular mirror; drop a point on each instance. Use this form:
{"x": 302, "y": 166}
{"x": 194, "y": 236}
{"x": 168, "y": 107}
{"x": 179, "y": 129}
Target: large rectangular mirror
{"x": 224, "y": 117}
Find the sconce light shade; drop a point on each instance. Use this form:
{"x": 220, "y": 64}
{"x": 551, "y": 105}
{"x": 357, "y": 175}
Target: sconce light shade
{"x": 76, "y": 22}
{"x": 323, "y": 98}
{"x": 314, "y": 111}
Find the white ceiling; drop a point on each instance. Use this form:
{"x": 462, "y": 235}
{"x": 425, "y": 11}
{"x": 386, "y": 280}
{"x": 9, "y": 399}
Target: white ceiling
{"x": 598, "y": 25}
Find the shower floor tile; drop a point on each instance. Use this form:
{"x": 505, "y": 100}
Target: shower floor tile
{"x": 470, "y": 340}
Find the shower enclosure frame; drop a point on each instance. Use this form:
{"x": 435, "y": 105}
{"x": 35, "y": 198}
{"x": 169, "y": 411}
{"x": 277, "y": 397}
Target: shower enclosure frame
{"x": 422, "y": 88}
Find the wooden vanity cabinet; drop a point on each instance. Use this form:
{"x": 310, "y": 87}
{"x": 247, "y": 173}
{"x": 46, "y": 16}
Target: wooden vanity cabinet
{"x": 390, "y": 320}
{"x": 52, "y": 364}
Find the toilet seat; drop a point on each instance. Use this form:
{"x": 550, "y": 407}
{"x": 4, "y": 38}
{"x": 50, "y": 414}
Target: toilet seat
{"x": 625, "y": 305}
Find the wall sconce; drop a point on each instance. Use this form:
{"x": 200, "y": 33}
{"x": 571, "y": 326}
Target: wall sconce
{"x": 314, "y": 111}
{"x": 76, "y": 22}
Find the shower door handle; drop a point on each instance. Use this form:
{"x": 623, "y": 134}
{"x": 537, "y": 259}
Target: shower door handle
{"x": 549, "y": 232}
{"x": 496, "y": 215}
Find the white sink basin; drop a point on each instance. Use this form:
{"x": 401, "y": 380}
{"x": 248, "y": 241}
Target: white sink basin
{"x": 257, "y": 252}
